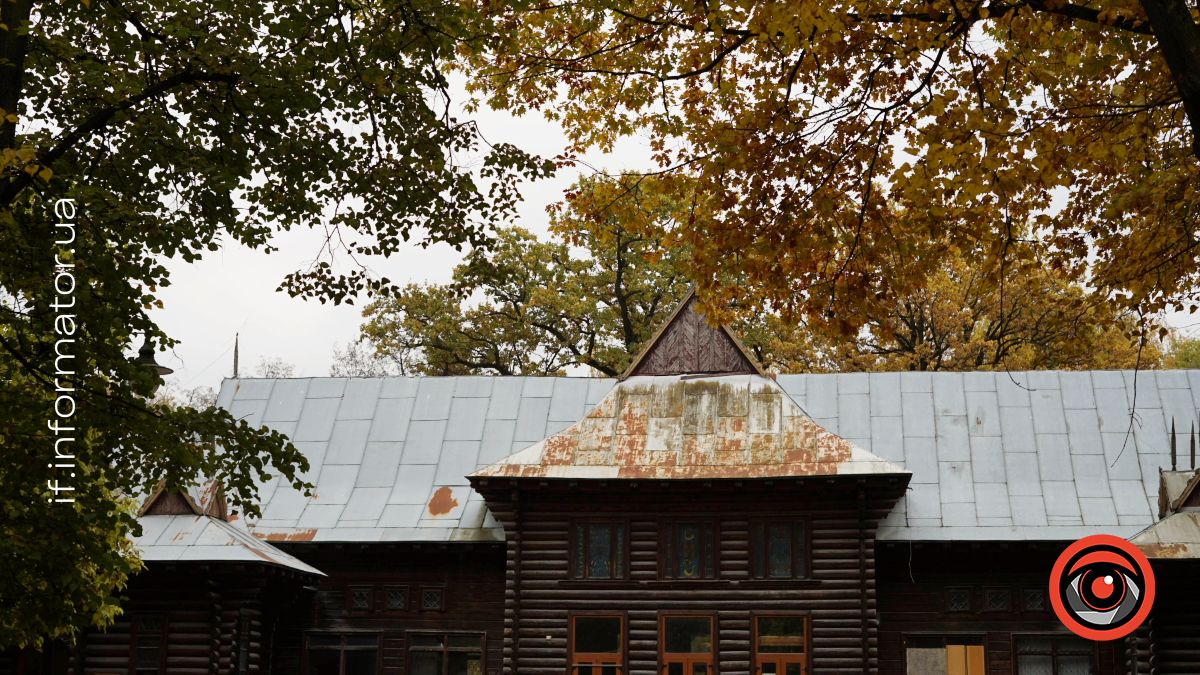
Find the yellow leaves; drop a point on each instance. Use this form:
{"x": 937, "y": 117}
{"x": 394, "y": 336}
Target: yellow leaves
{"x": 1118, "y": 89}
{"x": 45, "y": 174}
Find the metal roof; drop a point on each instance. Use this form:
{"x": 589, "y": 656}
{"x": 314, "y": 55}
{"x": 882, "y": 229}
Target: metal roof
{"x": 204, "y": 538}
{"x": 1000, "y": 456}
{"x": 677, "y": 427}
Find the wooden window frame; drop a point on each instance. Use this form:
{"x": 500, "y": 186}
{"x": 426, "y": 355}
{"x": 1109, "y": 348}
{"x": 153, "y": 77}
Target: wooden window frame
{"x": 1093, "y": 651}
{"x": 385, "y": 602}
{"x": 758, "y": 551}
{"x": 421, "y": 599}
{"x": 446, "y": 649}
{"x": 622, "y": 662}
{"x": 755, "y": 668}
{"x": 664, "y": 614}
{"x": 620, "y": 558}
{"x": 370, "y": 589}
{"x": 943, "y": 636}
{"x": 135, "y": 634}
{"x": 987, "y": 599}
{"x": 1025, "y": 606}
{"x": 342, "y": 634}
{"x": 970, "y": 591}
{"x": 667, "y": 527}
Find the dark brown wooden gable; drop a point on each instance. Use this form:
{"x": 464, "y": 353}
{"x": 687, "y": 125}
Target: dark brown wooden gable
{"x": 169, "y": 504}
{"x": 687, "y": 344}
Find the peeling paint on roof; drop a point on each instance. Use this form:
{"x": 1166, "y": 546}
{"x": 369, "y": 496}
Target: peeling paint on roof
{"x": 673, "y": 427}
{"x": 1175, "y": 537}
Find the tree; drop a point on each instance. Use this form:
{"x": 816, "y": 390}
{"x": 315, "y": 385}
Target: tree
{"x": 274, "y": 367}
{"x": 544, "y": 309}
{"x": 827, "y": 155}
{"x": 1184, "y": 352}
{"x": 360, "y": 360}
{"x": 133, "y": 132}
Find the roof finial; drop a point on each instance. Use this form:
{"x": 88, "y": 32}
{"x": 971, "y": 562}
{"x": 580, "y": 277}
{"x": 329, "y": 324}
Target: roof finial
{"x": 235, "y": 350}
{"x": 1172, "y": 443}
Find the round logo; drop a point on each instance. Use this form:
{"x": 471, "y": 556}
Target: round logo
{"x": 1102, "y": 587}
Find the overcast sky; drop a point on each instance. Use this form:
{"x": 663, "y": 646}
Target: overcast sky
{"x": 233, "y": 290}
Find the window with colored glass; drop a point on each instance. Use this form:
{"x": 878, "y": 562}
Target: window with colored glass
{"x": 598, "y": 549}
{"x": 1054, "y": 656}
{"x": 445, "y": 654}
{"x": 781, "y": 645}
{"x": 688, "y": 549}
{"x": 331, "y": 654}
{"x": 597, "y": 645}
{"x": 687, "y": 645}
{"x": 779, "y": 549}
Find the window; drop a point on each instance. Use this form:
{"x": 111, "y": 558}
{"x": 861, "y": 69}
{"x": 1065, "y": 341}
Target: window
{"x": 944, "y": 656}
{"x": 780, "y": 549}
{"x": 598, "y": 549}
{"x": 1034, "y": 599}
{"x": 244, "y": 626}
{"x": 597, "y": 645}
{"x": 358, "y": 598}
{"x": 958, "y": 599}
{"x": 997, "y": 599}
{"x": 396, "y": 598}
{"x": 342, "y": 654}
{"x": 687, "y": 645}
{"x": 441, "y": 654}
{"x": 781, "y": 645}
{"x": 688, "y": 549}
{"x": 1054, "y": 656}
{"x": 433, "y": 599}
{"x": 150, "y": 632}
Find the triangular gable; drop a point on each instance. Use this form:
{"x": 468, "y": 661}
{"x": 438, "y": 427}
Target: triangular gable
{"x": 701, "y": 428}
{"x": 163, "y": 502}
{"x": 686, "y": 344}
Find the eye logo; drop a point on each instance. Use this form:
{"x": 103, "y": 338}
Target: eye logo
{"x": 1102, "y": 587}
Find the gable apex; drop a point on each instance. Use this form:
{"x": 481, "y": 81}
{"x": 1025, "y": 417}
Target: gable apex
{"x": 685, "y": 344}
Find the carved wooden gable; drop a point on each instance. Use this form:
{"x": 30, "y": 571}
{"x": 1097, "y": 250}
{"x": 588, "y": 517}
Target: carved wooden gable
{"x": 687, "y": 344}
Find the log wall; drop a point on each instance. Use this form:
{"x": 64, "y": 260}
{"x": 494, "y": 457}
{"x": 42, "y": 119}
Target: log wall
{"x": 839, "y": 597}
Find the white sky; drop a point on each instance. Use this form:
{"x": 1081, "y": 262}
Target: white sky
{"x": 233, "y": 290}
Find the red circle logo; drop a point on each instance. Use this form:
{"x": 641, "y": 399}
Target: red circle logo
{"x": 1102, "y": 587}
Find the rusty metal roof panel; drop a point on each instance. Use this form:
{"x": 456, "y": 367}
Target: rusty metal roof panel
{"x": 1176, "y": 537}
{"x": 680, "y": 427}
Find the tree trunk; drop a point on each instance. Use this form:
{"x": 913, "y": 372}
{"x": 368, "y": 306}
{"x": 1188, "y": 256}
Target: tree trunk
{"x": 14, "y": 44}
{"x": 1179, "y": 40}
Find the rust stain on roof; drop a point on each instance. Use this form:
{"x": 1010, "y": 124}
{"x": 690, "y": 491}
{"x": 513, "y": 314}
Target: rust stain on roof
{"x": 298, "y": 535}
{"x": 442, "y": 502}
{"x": 1160, "y": 551}
{"x": 667, "y": 427}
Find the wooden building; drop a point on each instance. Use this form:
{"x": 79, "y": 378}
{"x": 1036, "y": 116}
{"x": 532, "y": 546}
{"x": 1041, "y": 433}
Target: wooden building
{"x": 697, "y": 516}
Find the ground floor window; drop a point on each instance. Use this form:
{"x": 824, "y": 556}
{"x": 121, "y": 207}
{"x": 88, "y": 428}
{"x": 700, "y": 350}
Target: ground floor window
{"x": 445, "y": 654}
{"x": 1054, "y": 656}
{"x": 341, "y": 654}
{"x": 597, "y": 645}
{"x": 687, "y": 645}
{"x": 944, "y": 655}
{"x": 780, "y": 645}
{"x": 150, "y": 632}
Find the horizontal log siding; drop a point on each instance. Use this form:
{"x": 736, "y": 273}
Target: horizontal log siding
{"x": 473, "y": 598}
{"x": 916, "y": 603}
{"x": 544, "y": 594}
{"x": 1173, "y": 637}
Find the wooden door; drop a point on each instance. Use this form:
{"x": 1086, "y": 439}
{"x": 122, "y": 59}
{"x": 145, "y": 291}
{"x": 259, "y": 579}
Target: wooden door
{"x": 687, "y": 645}
{"x": 781, "y": 645}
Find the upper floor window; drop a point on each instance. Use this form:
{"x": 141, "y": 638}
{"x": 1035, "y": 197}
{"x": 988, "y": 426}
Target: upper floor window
{"x": 688, "y": 549}
{"x": 444, "y": 654}
{"x": 342, "y": 654}
{"x": 779, "y": 549}
{"x": 598, "y": 549}
{"x": 1054, "y": 656}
